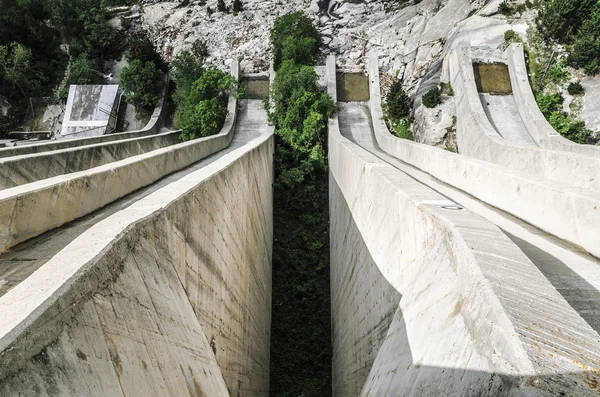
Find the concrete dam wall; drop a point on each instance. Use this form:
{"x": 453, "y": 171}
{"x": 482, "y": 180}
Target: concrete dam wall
{"x": 431, "y": 299}
{"x": 168, "y": 297}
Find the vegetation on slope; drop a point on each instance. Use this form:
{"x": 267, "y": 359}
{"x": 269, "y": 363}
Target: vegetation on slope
{"x": 397, "y": 108}
{"x": 202, "y": 94}
{"x": 301, "y": 319}
{"x": 32, "y": 62}
{"x": 576, "y": 24}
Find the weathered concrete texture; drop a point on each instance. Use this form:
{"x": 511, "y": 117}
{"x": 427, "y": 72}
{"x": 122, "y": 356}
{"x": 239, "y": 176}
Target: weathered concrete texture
{"x": 537, "y": 125}
{"x": 469, "y": 322}
{"x": 363, "y": 301}
{"x": 55, "y": 201}
{"x": 566, "y": 212}
{"x": 19, "y": 170}
{"x": 151, "y": 128}
{"x": 477, "y": 137}
{"x": 170, "y": 296}
{"x": 502, "y": 112}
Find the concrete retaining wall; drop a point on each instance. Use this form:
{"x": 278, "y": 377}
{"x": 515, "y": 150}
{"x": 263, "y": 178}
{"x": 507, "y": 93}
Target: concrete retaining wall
{"x": 474, "y": 314}
{"x": 168, "y": 297}
{"x": 55, "y": 201}
{"x": 19, "y": 170}
{"x": 569, "y": 213}
{"x": 537, "y": 125}
{"x": 151, "y": 128}
{"x": 477, "y": 137}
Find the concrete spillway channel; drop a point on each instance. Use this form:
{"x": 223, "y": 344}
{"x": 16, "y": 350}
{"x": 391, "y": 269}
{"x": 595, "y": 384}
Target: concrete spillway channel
{"x": 164, "y": 291}
{"x": 452, "y": 296}
{"x": 509, "y": 130}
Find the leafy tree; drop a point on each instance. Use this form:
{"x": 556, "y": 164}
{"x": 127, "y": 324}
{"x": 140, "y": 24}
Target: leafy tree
{"x": 289, "y": 34}
{"x": 202, "y": 119}
{"x": 301, "y": 312}
{"x": 142, "y": 83}
{"x": 15, "y": 62}
{"x": 432, "y": 98}
{"x": 205, "y": 107}
{"x": 187, "y": 68}
{"x": 141, "y": 48}
{"x": 83, "y": 71}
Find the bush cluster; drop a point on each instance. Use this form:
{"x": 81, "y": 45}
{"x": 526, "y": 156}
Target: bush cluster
{"x": 575, "y": 23}
{"x": 432, "y": 98}
{"x": 204, "y": 109}
{"x": 575, "y": 88}
{"x": 551, "y": 106}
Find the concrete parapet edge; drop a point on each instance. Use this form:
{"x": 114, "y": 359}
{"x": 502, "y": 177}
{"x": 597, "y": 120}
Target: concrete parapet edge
{"x": 150, "y": 128}
{"x": 23, "y": 169}
{"x": 439, "y": 244}
{"x": 537, "y": 125}
{"x": 564, "y": 211}
{"x": 52, "y": 202}
{"x": 477, "y": 137}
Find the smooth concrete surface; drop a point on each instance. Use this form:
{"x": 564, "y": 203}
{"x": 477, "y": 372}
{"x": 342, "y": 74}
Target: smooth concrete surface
{"x": 475, "y": 317}
{"x": 55, "y": 201}
{"x": 20, "y": 170}
{"x": 477, "y": 137}
{"x": 151, "y": 128}
{"x": 502, "y": 112}
{"x": 537, "y": 125}
{"x": 564, "y": 211}
{"x": 169, "y": 295}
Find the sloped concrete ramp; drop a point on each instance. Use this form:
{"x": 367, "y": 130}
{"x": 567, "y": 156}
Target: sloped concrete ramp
{"x": 169, "y": 295}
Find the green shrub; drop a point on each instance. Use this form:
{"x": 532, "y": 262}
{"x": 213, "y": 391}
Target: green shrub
{"x": 221, "y": 7}
{"x": 142, "y": 83}
{"x": 141, "y": 48}
{"x": 505, "y": 8}
{"x": 576, "y": 88}
{"x": 205, "y": 118}
{"x": 569, "y": 128}
{"x": 205, "y": 107}
{"x": 291, "y": 32}
{"x": 397, "y": 103}
{"x": 510, "y": 36}
{"x": 187, "y": 68}
{"x": 82, "y": 71}
{"x": 549, "y": 103}
{"x": 237, "y": 6}
{"x": 432, "y": 98}
{"x": 402, "y": 128}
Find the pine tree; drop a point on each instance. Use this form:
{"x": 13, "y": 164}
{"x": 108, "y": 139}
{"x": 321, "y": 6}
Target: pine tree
{"x": 237, "y": 6}
{"x": 221, "y": 7}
